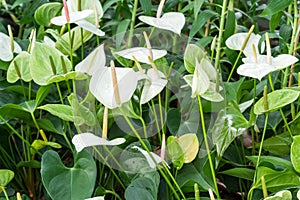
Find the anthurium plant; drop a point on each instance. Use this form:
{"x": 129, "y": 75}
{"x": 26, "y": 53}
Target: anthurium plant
{"x": 140, "y": 99}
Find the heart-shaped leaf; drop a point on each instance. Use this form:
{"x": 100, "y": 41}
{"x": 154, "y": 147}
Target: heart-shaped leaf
{"x": 61, "y": 182}
{"x": 5, "y": 177}
{"x": 295, "y": 156}
{"x": 46, "y": 12}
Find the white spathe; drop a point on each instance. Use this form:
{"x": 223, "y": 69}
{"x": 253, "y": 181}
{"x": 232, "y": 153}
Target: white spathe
{"x": 5, "y": 48}
{"x": 84, "y": 140}
{"x": 154, "y": 84}
{"x": 102, "y": 88}
{"x": 95, "y": 60}
{"x": 141, "y": 54}
{"x": 148, "y": 157}
{"x": 258, "y": 68}
{"x": 236, "y": 42}
{"x": 74, "y": 17}
{"x": 90, "y": 27}
{"x": 172, "y": 21}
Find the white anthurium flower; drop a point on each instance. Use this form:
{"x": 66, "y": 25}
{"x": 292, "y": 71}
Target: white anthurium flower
{"x": 90, "y": 27}
{"x": 260, "y": 67}
{"x": 141, "y": 54}
{"x": 74, "y": 17}
{"x": 154, "y": 84}
{"x": 102, "y": 87}
{"x": 96, "y": 198}
{"x": 202, "y": 81}
{"x": 149, "y": 158}
{"x": 172, "y": 21}
{"x": 199, "y": 81}
{"x": 6, "y": 53}
{"x": 84, "y": 140}
{"x": 236, "y": 42}
{"x": 86, "y": 5}
{"x": 95, "y": 60}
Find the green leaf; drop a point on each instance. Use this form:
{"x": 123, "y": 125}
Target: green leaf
{"x": 282, "y": 195}
{"x": 276, "y": 100}
{"x": 192, "y": 52}
{"x": 200, "y": 22}
{"x": 40, "y": 69}
{"x": 189, "y": 175}
{"x": 278, "y": 145}
{"x": 68, "y": 76}
{"x": 121, "y": 30}
{"x": 223, "y": 133}
{"x": 295, "y": 156}
{"x": 32, "y": 164}
{"x": 47, "y": 125}
{"x": 74, "y": 183}
{"x": 146, "y": 6}
{"x": 42, "y": 94}
{"x": 21, "y": 61}
{"x": 39, "y": 144}
{"x": 243, "y": 173}
{"x": 173, "y": 120}
{"x": 233, "y": 90}
{"x": 64, "y": 112}
{"x": 275, "y": 6}
{"x": 60, "y": 44}
{"x": 46, "y": 12}
{"x": 230, "y": 26}
{"x": 197, "y": 7}
{"x": 175, "y": 152}
{"x": 141, "y": 188}
{"x": 276, "y": 180}
{"x": 5, "y": 177}
{"x": 10, "y": 111}
{"x": 276, "y": 162}
{"x": 275, "y": 19}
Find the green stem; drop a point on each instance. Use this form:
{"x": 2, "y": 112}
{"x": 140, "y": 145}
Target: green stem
{"x": 291, "y": 48}
{"x": 133, "y": 17}
{"x": 280, "y": 110}
{"x": 59, "y": 93}
{"x": 222, "y": 22}
{"x": 71, "y": 43}
{"x": 19, "y": 136}
{"x": 207, "y": 147}
{"x": 259, "y": 154}
{"x": 147, "y": 149}
{"x": 113, "y": 193}
{"x": 234, "y": 65}
{"x": 108, "y": 165}
{"x": 5, "y": 193}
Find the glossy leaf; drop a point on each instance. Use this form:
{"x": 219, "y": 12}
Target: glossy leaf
{"x": 142, "y": 188}
{"x": 276, "y": 180}
{"x": 39, "y": 144}
{"x": 278, "y": 144}
{"x": 243, "y": 173}
{"x": 224, "y": 133}
{"x": 282, "y": 195}
{"x": 77, "y": 182}
{"x": 5, "y": 177}
{"x": 84, "y": 140}
{"x": 40, "y": 69}
{"x": 64, "y": 112}
{"x": 175, "y": 151}
{"x": 276, "y": 100}
{"x": 46, "y": 12}
{"x": 22, "y": 63}
{"x": 295, "y": 157}
{"x": 172, "y": 21}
